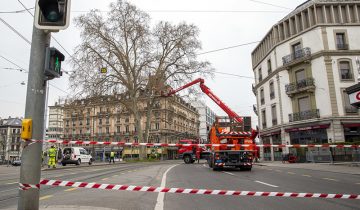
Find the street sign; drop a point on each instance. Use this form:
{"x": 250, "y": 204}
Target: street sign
{"x": 354, "y": 97}
{"x": 103, "y": 70}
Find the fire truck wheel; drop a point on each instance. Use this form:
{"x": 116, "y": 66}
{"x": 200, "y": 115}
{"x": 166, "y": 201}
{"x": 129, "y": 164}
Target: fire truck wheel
{"x": 187, "y": 159}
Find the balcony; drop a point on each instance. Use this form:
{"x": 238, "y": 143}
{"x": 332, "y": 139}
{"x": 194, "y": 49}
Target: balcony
{"x": 306, "y": 85}
{"x": 253, "y": 89}
{"x": 351, "y": 110}
{"x": 305, "y": 115}
{"x": 297, "y": 57}
{"x": 255, "y": 110}
{"x": 342, "y": 46}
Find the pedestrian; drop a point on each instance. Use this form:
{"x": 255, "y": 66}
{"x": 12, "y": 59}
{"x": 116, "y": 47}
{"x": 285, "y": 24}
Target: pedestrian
{"x": 52, "y": 157}
{"x": 112, "y": 157}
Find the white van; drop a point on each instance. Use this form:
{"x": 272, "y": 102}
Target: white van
{"x": 76, "y": 155}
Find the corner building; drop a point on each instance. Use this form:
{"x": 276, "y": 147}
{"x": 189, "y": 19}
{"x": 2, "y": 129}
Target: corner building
{"x": 302, "y": 67}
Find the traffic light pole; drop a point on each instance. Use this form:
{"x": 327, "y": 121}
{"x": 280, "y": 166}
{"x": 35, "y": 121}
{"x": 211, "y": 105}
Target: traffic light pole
{"x": 30, "y": 171}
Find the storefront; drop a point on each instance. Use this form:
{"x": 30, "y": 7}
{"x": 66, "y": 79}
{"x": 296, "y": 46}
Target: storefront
{"x": 312, "y": 134}
{"x": 351, "y": 132}
{"x": 270, "y": 153}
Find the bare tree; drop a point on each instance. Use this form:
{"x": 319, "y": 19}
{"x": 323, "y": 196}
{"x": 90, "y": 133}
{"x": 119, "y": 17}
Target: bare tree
{"x": 141, "y": 60}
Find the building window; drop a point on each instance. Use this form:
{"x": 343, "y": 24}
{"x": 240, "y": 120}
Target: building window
{"x": 118, "y": 129}
{"x": 341, "y": 41}
{"x": 274, "y": 115}
{"x": 349, "y": 109}
{"x": 345, "y": 70}
{"x": 107, "y": 120}
{"x": 118, "y": 119}
{"x": 67, "y": 123}
{"x": 272, "y": 90}
{"x": 80, "y": 122}
{"x": 263, "y": 118}
{"x": 269, "y": 66}
{"x": 107, "y": 130}
{"x": 157, "y": 126}
{"x": 262, "y": 99}
{"x": 260, "y": 74}
{"x": 127, "y": 129}
{"x": 296, "y": 48}
{"x": 100, "y": 121}
{"x": 300, "y": 76}
{"x": 87, "y": 121}
{"x": 304, "y": 104}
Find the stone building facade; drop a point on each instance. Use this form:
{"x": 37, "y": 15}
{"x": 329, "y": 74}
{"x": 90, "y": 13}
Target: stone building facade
{"x": 302, "y": 67}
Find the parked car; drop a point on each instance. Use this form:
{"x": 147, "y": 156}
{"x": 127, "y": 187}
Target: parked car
{"x": 16, "y": 163}
{"x": 76, "y": 155}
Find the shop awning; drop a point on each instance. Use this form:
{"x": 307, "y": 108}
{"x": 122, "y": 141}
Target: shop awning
{"x": 351, "y": 125}
{"x": 270, "y": 133}
{"x": 313, "y": 127}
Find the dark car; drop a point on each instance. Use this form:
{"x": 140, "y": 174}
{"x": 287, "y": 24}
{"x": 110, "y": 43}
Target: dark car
{"x": 16, "y": 163}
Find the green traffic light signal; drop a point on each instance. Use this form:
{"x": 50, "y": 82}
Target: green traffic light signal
{"x": 53, "y": 61}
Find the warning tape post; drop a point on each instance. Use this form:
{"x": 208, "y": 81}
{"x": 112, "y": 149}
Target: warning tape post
{"x": 92, "y": 185}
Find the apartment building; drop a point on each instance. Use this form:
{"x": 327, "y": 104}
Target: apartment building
{"x": 10, "y": 142}
{"x": 206, "y": 119}
{"x": 302, "y": 67}
{"x": 105, "y": 119}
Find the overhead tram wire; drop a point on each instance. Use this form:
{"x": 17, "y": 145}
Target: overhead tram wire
{"x": 16, "y": 11}
{"x": 195, "y": 11}
{"x": 270, "y": 4}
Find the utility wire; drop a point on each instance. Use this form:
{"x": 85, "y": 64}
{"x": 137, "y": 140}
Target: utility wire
{"x": 226, "y": 48}
{"x": 274, "y": 5}
{"x": 16, "y": 11}
{"x": 14, "y": 30}
{"x": 194, "y": 11}
{"x": 235, "y": 75}
{"x": 26, "y": 71}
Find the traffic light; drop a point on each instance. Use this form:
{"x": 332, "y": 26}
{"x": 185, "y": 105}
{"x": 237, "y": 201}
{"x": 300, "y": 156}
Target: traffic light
{"x": 52, "y": 15}
{"x": 53, "y": 59}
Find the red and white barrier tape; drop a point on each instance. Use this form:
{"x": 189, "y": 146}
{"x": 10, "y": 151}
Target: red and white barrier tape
{"x": 79, "y": 142}
{"x": 28, "y": 186}
{"x": 190, "y": 191}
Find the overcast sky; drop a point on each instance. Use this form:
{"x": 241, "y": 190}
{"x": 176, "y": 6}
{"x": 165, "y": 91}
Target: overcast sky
{"x": 222, "y": 24}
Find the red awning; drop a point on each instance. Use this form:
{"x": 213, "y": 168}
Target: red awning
{"x": 313, "y": 127}
{"x": 270, "y": 134}
{"x": 351, "y": 125}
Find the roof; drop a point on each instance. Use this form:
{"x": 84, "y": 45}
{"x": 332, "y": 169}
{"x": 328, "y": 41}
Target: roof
{"x": 11, "y": 122}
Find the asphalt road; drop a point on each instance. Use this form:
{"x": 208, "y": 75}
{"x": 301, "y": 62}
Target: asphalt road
{"x": 261, "y": 178}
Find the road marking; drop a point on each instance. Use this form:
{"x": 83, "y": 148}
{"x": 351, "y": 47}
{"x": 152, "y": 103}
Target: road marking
{"x": 122, "y": 173}
{"x": 105, "y": 179}
{"x": 129, "y": 171}
{"x": 278, "y": 170}
{"x": 266, "y": 184}
{"x": 229, "y": 173}
{"x": 160, "y": 199}
{"x": 357, "y": 183}
{"x": 306, "y": 175}
{"x": 12, "y": 183}
{"x": 330, "y": 179}
{"x": 115, "y": 175}
{"x": 45, "y": 197}
{"x": 291, "y": 173}
{"x": 71, "y": 189}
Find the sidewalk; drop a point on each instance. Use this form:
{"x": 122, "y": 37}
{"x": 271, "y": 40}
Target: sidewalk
{"x": 345, "y": 168}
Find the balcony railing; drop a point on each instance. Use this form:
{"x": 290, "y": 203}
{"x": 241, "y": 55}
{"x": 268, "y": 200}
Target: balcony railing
{"x": 297, "y": 56}
{"x": 351, "y": 110}
{"x": 307, "y": 84}
{"x": 255, "y": 109}
{"x": 253, "y": 89}
{"x": 305, "y": 115}
{"x": 342, "y": 46}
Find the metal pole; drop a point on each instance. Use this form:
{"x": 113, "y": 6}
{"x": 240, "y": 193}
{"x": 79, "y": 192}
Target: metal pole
{"x": 35, "y": 108}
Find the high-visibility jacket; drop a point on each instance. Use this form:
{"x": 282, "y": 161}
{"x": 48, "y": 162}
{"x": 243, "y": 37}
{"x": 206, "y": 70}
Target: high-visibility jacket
{"x": 52, "y": 152}
{"x": 112, "y": 154}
